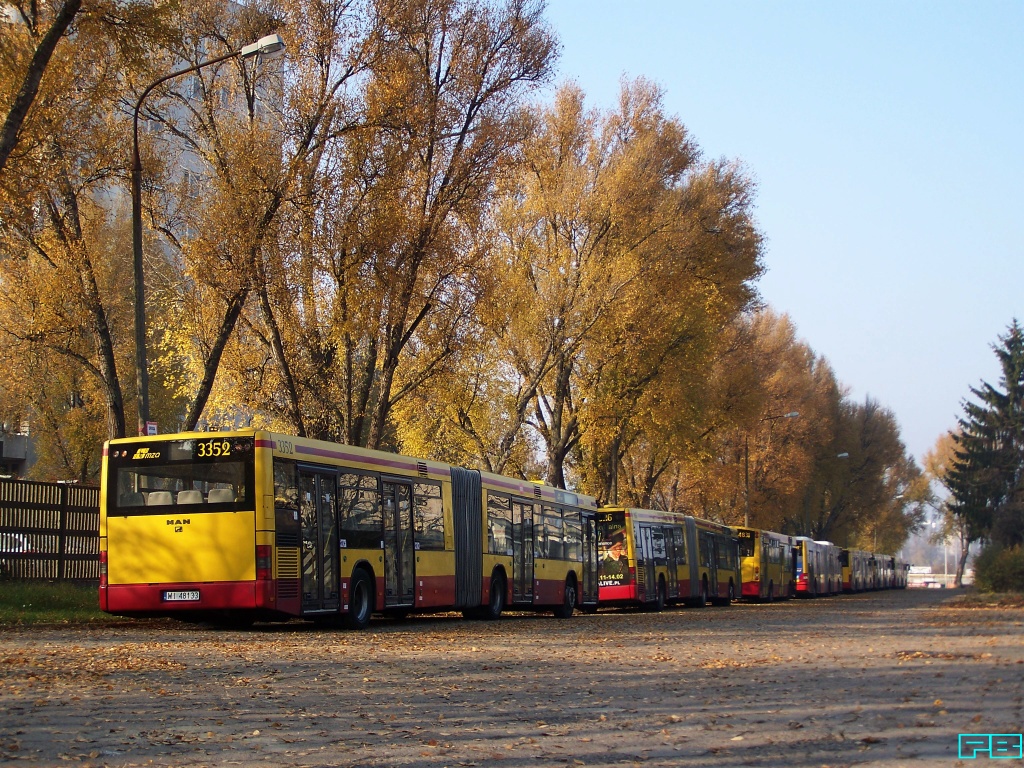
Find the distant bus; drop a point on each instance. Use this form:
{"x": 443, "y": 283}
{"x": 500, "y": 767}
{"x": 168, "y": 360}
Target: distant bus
{"x": 252, "y": 525}
{"x": 902, "y": 574}
{"x": 817, "y": 567}
{"x": 889, "y": 572}
{"x": 652, "y": 559}
{"x": 857, "y": 574}
{"x": 766, "y": 560}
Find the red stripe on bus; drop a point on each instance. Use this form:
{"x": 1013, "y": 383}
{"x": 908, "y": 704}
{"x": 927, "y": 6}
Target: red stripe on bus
{"x": 138, "y": 598}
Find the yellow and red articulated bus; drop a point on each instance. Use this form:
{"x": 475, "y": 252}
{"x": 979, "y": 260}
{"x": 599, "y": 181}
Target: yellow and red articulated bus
{"x": 766, "y": 559}
{"x": 653, "y": 559}
{"x": 856, "y": 570}
{"x": 252, "y": 525}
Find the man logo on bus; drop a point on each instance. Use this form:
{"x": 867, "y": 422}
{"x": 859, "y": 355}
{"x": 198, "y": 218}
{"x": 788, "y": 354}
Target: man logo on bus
{"x": 179, "y": 525}
{"x": 145, "y": 453}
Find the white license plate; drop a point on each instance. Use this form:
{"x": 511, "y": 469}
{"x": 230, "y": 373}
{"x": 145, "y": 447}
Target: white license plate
{"x": 186, "y": 596}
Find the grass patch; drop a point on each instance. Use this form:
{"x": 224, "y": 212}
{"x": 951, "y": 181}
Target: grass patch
{"x": 49, "y": 602}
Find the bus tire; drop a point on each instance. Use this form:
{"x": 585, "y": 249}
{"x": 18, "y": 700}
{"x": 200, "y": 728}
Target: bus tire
{"x": 496, "y": 603}
{"x": 360, "y": 600}
{"x": 565, "y": 610}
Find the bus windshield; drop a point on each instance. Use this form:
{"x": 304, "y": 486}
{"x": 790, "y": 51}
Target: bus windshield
{"x": 746, "y": 537}
{"x": 208, "y": 474}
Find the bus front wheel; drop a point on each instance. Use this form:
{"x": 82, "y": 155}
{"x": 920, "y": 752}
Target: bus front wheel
{"x": 565, "y": 610}
{"x": 360, "y": 601}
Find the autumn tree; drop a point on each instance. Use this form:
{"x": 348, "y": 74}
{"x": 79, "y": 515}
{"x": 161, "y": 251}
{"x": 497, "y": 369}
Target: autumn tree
{"x": 63, "y": 283}
{"x": 754, "y": 458}
{"x": 602, "y": 244}
{"x": 395, "y": 116}
{"x": 44, "y": 32}
{"x": 938, "y": 463}
{"x": 230, "y": 127}
{"x": 856, "y": 495}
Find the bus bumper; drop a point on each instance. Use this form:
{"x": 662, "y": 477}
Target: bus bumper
{"x": 180, "y": 598}
{"x": 623, "y": 593}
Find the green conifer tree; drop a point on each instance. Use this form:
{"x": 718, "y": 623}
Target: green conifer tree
{"x": 986, "y": 479}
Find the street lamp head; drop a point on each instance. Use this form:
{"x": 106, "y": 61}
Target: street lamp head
{"x": 843, "y": 455}
{"x": 267, "y": 47}
{"x": 791, "y": 415}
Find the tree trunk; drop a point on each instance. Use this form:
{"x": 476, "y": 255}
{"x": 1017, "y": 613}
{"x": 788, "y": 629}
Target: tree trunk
{"x": 277, "y": 348}
{"x": 961, "y": 564}
{"x": 30, "y": 85}
{"x": 212, "y": 363}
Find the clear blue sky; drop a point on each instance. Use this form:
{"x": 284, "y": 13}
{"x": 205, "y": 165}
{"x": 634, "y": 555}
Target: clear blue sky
{"x": 887, "y": 140}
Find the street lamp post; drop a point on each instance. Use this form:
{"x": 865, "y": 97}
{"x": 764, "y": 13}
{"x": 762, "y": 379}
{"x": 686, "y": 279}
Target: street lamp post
{"x": 267, "y": 46}
{"x": 746, "y": 463}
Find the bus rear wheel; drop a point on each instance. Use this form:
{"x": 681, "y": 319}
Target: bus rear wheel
{"x": 565, "y": 610}
{"x": 360, "y": 601}
{"x": 496, "y": 604}
{"x": 662, "y": 597}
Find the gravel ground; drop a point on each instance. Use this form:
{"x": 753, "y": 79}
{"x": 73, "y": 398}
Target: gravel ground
{"x": 882, "y": 679}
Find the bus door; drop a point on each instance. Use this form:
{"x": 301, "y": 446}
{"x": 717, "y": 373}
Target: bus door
{"x": 767, "y": 548}
{"x": 671, "y": 585}
{"x": 589, "y": 558}
{"x": 647, "y": 579}
{"x": 399, "y": 548}
{"x": 317, "y": 510}
{"x": 522, "y": 552}
{"x": 709, "y": 556}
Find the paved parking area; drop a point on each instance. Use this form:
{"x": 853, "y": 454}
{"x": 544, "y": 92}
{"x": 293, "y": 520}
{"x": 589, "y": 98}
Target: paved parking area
{"x": 881, "y": 679}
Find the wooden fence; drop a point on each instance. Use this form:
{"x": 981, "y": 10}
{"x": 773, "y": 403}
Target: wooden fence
{"x": 49, "y": 531}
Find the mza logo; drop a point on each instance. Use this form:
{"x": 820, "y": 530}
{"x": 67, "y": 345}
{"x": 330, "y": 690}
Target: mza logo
{"x": 179, "y": 524}
{"x": 996, "y": 746}
{"x": 145, "y": 453}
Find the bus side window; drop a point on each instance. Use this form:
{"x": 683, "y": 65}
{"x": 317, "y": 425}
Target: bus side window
{"x": 499, "y": 524}
{"x": 286, "y": 486}
{"x": 359, "y": 511}
{"x": 573, "y": 535}
{"x": 658, "y": 545}
{"x": 702, "y": 547}
{"x": 680, "y": 541}
{"x": 428, "y": 516}
{"x": 549, "y": 533}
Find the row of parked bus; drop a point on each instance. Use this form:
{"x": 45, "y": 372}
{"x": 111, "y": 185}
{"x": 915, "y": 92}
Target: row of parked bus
{"x": 252, "y": 525}
{"x": 656, "y": 558}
